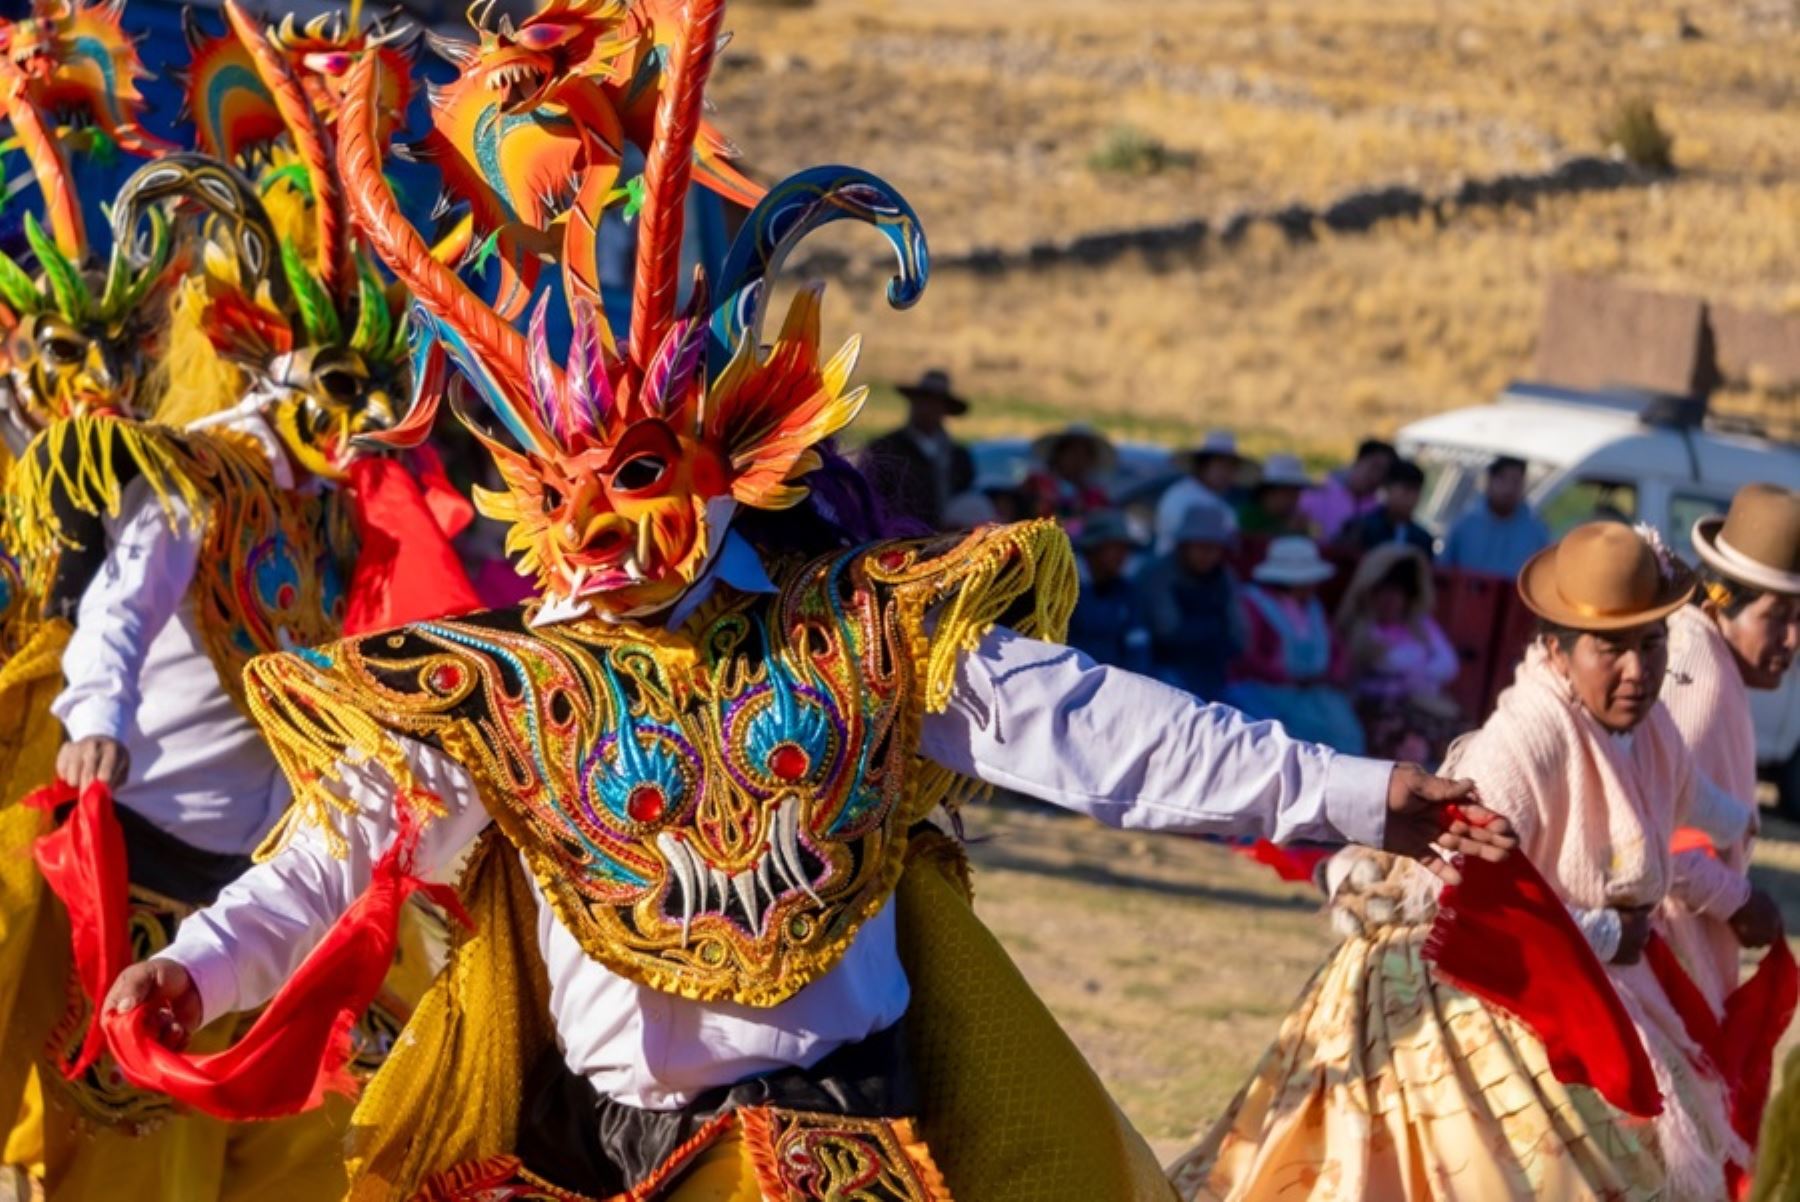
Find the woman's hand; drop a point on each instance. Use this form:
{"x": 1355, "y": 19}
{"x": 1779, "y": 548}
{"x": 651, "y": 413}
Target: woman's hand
{"x": 1634, "y": 933}
{"x": 167, "y": 986}
{"x": 1421, "y": 824}
{"x": 95, "y": 758}
{"x": 1758, "y": 921}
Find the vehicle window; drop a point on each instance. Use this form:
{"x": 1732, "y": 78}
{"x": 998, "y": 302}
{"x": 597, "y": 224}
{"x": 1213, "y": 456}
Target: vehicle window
{"x": 1449, "y": 487}
{"x": 1684, "y": 510}
{"x": 1587, "y": 501}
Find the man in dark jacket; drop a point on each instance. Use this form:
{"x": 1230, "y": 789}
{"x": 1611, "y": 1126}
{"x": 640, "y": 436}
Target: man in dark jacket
{"x": 1192, "y": 600}
{"x": 1109, "y": 623}
{"x": 1392, "y": 521}
{"x": 919, "y": 467}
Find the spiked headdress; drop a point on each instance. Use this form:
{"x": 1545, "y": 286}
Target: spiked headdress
{"x": 622, "y": 464}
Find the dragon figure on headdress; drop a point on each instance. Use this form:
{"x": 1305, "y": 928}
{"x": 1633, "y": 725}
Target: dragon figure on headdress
{"x": 68, "y": 79}
{"x": 74, "y": 334}
{"x": 623, "y": 465}
{"x": 532, "y": 132}
{"x": 242, "y": 102}
{"x": 318, "y": 335}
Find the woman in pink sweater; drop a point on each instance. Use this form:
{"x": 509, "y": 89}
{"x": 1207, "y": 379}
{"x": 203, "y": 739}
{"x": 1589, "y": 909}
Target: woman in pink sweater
{"x": 1388, "y": 1082}
{"x": 1740, "y": 633}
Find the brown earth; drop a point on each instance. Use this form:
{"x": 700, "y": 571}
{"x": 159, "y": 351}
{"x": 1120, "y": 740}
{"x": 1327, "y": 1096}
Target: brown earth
{"x": 992, "y": 116}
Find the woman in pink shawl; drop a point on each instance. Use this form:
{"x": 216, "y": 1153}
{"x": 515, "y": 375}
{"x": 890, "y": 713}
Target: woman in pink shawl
{"x": 1740, "y": 633}
{"x": 1385, "y": 1081}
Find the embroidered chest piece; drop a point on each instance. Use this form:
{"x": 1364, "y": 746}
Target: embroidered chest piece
{"x": 713, "y": 813}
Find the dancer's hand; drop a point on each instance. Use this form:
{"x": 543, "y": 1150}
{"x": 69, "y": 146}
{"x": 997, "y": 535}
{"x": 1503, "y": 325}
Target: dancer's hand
{"x": 1758, "y": 921}
{"x": 1420, "y": 826}
{"x": 167, "y": 986}
{"x": 1634, "y": 933}
{"x": 95, "y": 758}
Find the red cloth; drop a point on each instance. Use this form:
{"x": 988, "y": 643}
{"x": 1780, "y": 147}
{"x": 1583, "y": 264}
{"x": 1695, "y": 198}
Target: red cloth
{"x": 84, "y": 859}
{"x": 1290, "y": 863}
{"x": 1757, "y": 1014}
{"x": 1742, "y": 1047}
{"x": 406, "y": 570}
{"x": 299, "y": 1047}
{"x": 1504, "y": 936}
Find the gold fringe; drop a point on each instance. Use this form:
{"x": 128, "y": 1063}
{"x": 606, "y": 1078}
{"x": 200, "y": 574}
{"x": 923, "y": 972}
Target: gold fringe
{"x": 223, "y": 481}
{"x": 79, "y": 460}
{"x": 1023, "y": 574}
{"x": 315, "y": 723}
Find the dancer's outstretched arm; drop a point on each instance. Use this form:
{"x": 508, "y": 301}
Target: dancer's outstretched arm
{"x": 1049, "y": 722}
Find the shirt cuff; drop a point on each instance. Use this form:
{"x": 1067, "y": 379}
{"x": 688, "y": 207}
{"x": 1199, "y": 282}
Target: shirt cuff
{"x": 208, "y": 965}
{"x": 1356, "y": 794}
{"x": 95, "y": 717}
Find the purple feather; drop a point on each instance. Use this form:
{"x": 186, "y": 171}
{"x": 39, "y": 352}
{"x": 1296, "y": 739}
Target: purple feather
{"x": 677, "y": 362}
{"x": 590, "y": 386}
{"x": 544, "y": 392}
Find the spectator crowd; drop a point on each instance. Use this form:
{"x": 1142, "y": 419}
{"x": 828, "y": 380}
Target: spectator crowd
{"x": 1225, "y": 594}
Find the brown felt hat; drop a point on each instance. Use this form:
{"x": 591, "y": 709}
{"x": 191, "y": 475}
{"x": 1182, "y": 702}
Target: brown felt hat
{"x": 936, "y": 383}
{"x": 1758, "y": 542}
{"x": 1604, "y": 576}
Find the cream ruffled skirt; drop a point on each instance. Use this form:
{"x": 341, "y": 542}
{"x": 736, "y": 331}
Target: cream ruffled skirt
{"x": 1387, "y": 1084}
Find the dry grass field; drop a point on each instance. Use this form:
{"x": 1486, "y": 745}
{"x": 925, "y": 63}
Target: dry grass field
{"x": 1170, "y": 961}
{"x": 1009, "y": 124}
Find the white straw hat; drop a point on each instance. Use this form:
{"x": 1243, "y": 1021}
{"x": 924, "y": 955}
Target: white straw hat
{"x": 1293, "y": 559}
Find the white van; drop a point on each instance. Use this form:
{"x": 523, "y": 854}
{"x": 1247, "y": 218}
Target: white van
{"x": 1646, "y": 459}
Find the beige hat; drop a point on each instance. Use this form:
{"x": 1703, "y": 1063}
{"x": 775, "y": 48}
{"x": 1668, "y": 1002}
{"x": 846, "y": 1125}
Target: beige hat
{"x": 1604, "y": 576}
{"x": 1758, "y": 542}
{"x": 1293, "y": 559}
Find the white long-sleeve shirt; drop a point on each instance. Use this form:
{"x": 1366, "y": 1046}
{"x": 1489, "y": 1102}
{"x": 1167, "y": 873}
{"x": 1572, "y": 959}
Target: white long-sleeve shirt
{"x": 1026, "y": 715}
{"x": 136, "y": 671}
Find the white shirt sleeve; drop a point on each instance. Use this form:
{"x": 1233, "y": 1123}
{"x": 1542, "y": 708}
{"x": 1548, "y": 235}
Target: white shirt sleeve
{"x": 1049, "y": 722}
{"x": 240, "y": 949}
{"x": 150, "y": 561}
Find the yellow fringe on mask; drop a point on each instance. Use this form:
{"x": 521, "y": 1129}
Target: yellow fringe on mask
{"x": 78, "y": 459}
{"x": 1778, "y": 1155}
{"x": 191, "y": 381}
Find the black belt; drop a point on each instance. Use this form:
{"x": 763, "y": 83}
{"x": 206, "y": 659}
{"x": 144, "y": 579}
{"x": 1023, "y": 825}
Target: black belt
{"x": 573, "y": 1137}
{"x": 161, "y": 863}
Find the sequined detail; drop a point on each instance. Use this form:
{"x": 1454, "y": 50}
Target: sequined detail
{"x": 789, "y": 1156}
{"x": 713, "y": 812}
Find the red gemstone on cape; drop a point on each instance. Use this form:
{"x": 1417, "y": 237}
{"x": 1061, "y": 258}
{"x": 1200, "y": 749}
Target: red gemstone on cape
{"x": 446, "y": 678}
{"x": 788, "y": 762}
{"x": 646, "y": 803}
{"x": 284, "y": 596}
{"x": 892, "y": 560}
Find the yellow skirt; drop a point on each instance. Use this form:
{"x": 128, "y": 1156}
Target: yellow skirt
{"x": 1385, "y": 1083}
